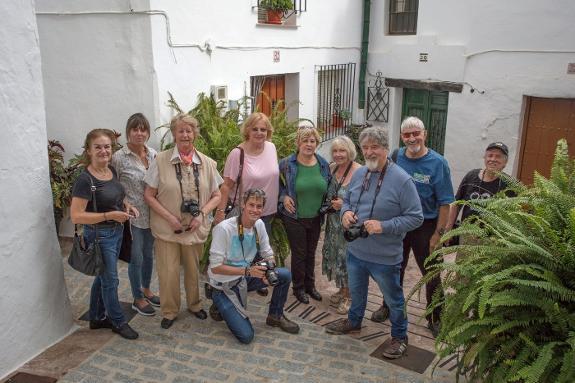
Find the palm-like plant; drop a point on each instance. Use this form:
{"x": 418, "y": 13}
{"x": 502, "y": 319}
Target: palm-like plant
{"x": 509, "y": 311}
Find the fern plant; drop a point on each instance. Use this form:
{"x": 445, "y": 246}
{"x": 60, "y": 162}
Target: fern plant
{"x": 509, "y": 310}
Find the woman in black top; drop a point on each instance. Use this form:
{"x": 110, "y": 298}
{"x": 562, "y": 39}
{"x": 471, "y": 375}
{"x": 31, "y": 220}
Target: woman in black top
{"x": 110, "y": 213}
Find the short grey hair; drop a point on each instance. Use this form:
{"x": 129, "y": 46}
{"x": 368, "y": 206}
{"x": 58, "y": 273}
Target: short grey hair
{"x": 345, "y": 143}
{"x": 412, "y": 122}
{"x": 377, "y": 134}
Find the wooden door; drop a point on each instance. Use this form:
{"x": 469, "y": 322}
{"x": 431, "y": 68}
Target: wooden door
{"x": 431, "y": 108}
{"x": 546, "y": 121}
{"x": 273, "y": 90}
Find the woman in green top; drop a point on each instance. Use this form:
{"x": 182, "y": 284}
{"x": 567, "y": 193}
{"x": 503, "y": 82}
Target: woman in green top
{"x": 304, "y": 177}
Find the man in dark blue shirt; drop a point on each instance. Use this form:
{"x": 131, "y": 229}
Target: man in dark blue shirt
{"x": 430, "y": 172}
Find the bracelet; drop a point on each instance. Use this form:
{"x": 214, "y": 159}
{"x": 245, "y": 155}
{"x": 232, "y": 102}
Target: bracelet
{"x": 247, "y": 272}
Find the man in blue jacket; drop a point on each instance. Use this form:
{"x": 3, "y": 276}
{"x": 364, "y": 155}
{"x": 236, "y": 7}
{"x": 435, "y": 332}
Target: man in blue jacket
{"x": 380, "y": 207}
{"x": 430, "y": 172}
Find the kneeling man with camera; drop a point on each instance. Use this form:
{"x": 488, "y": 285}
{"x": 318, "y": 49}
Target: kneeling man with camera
{"x": 381, "y": 205}
{"x": 241, "y": 260}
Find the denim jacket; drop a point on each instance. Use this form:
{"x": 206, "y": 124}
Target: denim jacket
{"x": 288, "y": 173}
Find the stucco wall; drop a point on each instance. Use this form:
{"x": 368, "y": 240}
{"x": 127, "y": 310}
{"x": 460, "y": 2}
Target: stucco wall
{"x": 34, "y": 302}
{"x": 97, "y": 68}
{"x": 535, "y": 43}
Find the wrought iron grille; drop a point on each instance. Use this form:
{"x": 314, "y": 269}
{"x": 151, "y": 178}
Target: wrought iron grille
{"x": 299, "y": 6}
{"x": 336, "y": 85}
{"x": 377, "y": 100}
{"x": 403, "y": 17}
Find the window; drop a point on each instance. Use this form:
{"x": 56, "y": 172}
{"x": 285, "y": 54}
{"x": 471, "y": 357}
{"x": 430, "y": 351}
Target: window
{"x": 335, "y": 98}
{"x": 403, "y": 17}
{"x": 287, "y": 17}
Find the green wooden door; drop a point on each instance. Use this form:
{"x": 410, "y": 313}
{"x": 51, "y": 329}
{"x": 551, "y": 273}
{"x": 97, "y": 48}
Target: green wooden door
{"x": 431, "y": 108}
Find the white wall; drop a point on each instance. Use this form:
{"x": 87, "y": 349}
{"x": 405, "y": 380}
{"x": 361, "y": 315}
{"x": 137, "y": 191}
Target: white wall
{"x": 460, "y": 37}
{"x": 34, "y": 302}
{"x": 97, "y": 68}
{"x": 241, "y": 48}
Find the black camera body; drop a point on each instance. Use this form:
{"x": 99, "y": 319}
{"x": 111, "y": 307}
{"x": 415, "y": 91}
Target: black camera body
{"x": 326, "y": 207}
{"x": 229, "y": 207}
{"x": 271, "y": 273}
{"x": 190, "y": 206}
{"x": 354, "y": 232}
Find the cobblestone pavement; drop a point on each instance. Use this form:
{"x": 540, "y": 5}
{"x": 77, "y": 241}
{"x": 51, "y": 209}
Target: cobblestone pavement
{"x": 205, "y": 351}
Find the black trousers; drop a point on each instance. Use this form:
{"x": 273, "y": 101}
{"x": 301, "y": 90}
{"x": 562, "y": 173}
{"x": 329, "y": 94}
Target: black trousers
{"x": 303, "y": 235}
{"x": 418, "y": 241}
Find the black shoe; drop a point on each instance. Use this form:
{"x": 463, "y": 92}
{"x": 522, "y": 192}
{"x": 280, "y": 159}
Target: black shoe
{"x": 381, "y": 314}
{"x": 154, "y": 300}
{"x": 301, "y": 296}
{"x": 125, "y": 331}
{"x": 102, "y": 323}
{"x": 167, "y": 323}
{"x": 146, "y": 310}
{"x": 199, "y": 314}
{"x": 434, "y": 327}
{"x": 314, "y": 294}
{"x": 263, "y": 291}
{"x": 215, "y": 314}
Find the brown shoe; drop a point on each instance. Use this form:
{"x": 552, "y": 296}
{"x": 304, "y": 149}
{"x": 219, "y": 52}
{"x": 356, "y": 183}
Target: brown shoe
{"x": 284, "y": 323}
{"x": 396, "y": 349}
{"x": 342, "y": 327}
{"x": 381, "y": 314}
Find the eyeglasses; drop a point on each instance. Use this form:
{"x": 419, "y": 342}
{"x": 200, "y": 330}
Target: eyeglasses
{"x": 416, "y": 133}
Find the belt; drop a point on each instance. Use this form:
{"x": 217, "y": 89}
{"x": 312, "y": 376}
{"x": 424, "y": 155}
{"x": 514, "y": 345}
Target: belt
{"x": 105, "y": 225}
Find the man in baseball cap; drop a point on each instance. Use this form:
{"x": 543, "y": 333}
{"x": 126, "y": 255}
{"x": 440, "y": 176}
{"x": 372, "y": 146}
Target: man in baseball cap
{"x": 501, "y": 146}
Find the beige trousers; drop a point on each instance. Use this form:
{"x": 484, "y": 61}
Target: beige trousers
{"x": 169, "y": 256}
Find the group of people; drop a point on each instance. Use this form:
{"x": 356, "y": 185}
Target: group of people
{"x": 374, "y": 215}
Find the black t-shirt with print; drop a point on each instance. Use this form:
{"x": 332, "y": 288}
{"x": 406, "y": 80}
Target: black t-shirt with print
{"x": 473, "y": 188}
{"x": 109, "y": 194}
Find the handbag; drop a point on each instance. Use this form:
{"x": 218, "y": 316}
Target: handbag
{"x": 126, "y": 249}
{"x": 87, "y": 260}
{"x": 231, "y": 209}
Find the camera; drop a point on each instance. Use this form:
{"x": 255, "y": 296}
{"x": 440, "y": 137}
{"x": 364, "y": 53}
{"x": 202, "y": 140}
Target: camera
{"x": 190, "y": 206}
{"x": 354, "y": 232}
{"x": 271, "y": 273}
{"x": 326, "y": 207}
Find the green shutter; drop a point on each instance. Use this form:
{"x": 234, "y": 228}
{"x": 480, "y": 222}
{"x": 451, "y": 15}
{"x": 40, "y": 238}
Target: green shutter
{"x": 431, "y": 108}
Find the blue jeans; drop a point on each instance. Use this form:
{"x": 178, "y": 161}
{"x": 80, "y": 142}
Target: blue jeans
{"x": 241, "y": 327}
{"x": 104, "y": 300}
{"x": 141, "y": 261}
{"x": 387, "y": 278}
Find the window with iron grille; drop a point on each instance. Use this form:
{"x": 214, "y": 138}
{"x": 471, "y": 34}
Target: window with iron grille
{"x": 403, "y": 17}
{"x": 286, "y": 18}
{"x": 336, "y": 85}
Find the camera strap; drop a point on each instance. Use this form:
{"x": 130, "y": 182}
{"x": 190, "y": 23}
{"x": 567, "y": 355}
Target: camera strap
{"x": 240, "y": 173}
{"x": 178, "y": 167}
{"x": 241, "y": 236}
{"x": 340, "y": 182}
{"x": 365, "y": 186}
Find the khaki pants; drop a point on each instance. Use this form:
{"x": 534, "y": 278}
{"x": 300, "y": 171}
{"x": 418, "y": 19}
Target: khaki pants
{"x": 169, "y": 256}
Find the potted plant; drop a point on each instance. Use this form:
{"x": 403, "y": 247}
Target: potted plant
{"x": 338, "y": 119}
{"x": 275, "y": 9}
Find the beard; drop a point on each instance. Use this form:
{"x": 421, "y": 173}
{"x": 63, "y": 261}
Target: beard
{"x": 414, "y": 148}
{"x": 372, "y": 164}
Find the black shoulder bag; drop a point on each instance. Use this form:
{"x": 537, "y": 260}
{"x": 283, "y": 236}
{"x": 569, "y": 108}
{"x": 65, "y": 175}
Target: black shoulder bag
{"x": 231, "y": 210}
{"x": 87, "y": 260}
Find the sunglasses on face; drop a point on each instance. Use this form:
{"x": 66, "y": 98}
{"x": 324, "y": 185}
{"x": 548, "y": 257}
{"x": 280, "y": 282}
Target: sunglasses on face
{"x": 416, "y": 133}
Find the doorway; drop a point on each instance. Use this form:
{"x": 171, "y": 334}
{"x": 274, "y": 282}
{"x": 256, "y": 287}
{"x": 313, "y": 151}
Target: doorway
{"x": 268, "y": 91}
{"x": 546, "y": 121}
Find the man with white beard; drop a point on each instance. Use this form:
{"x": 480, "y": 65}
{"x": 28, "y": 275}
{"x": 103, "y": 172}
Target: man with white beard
{"x": 381, "y": 205}
{"x": 430, "y": 172}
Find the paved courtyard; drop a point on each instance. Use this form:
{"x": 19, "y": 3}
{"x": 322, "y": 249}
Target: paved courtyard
{"x": 205, "y": 351}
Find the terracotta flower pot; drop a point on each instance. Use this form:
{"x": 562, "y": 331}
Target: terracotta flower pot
{"x": 274, "y": 16}
{"x": 336, "y": 120}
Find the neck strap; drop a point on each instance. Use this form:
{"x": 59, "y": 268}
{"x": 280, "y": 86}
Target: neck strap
{"x": 365, "y": 186}
{"x": 196, "y": 179}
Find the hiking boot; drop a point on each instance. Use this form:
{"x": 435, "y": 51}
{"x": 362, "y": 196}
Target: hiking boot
{"x": 125, "y": 331}
{"x": 336, "y": 298}
{"x": 381, "y": 314}
{"x": 434, "y": 327}
{"x": 396, "y": 349}
{"x": 344, "y": 305}
{"x": 342, "y": 327}
{"x": 215, "y": 314}
{"x": 284, "y": 323}
{"x": 101, "y": 323}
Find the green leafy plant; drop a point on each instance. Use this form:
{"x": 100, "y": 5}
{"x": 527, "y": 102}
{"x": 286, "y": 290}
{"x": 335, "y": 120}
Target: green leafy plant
{"x": 220, "y": 133}
{"x": 509, "y": 310}
{"x": 279, "y": 5}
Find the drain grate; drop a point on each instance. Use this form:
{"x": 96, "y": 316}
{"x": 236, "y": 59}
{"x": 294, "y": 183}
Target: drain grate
{"x": 23, "y": 377}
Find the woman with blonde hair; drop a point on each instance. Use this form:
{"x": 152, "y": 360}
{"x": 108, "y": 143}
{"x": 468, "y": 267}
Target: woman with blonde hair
{"x": 182, "y": 188}
{"x": 304, "y": 177}
{"x": 98, "y": 202}
{"x": 343, "y": 154}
